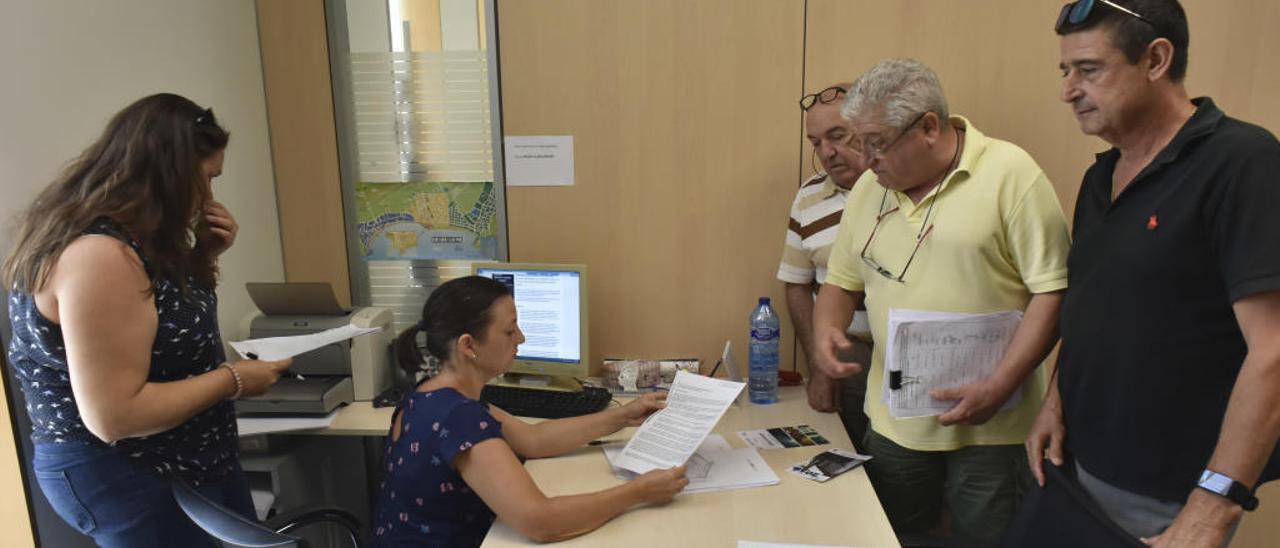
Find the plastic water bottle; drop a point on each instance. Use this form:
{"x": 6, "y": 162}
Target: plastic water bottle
{"x": 762, "y": 383}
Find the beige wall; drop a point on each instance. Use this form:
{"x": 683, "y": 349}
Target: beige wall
{"x": 686, "y": 161}
{"x": 69, "y": 65}
{"x": 1004, "y": 77}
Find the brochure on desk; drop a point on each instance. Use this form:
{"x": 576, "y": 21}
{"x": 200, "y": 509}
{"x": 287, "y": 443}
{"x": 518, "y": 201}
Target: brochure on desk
{"x": 715, "y": 466}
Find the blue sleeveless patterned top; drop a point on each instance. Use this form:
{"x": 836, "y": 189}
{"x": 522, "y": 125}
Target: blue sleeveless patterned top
{"x": 423, "y": 500}
{"x": 187, "y": 343}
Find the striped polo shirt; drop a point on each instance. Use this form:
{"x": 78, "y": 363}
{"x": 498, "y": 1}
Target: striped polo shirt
{"x": 811, "y": 231}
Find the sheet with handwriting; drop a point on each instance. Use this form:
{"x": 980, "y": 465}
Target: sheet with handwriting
{"x": 942, "y": 350}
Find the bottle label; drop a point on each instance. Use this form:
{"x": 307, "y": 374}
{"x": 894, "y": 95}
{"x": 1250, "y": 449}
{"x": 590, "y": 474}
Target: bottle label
{"x": 763, "y": 333}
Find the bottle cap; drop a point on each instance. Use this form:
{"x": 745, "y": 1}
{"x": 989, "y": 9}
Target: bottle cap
{"x": 764, "y": 300}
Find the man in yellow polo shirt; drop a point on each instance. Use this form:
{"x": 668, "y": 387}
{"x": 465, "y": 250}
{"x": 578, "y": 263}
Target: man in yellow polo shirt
{"x": 945, "y": 220}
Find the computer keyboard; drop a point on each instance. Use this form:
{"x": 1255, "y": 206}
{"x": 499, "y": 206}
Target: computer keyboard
{"x": 547, "y": 404}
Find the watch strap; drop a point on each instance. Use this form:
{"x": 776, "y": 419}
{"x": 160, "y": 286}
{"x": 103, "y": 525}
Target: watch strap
{"x": 1225, "y": 486}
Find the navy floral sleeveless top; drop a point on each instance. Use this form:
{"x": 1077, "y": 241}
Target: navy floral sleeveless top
{"x": 187, "y": 343}
{"x": 423, "y": 500}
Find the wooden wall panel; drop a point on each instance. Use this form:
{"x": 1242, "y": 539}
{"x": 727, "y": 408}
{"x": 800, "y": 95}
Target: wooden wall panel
{"x": 998, "y": 62}
{"x": 424, "y": 24}
{"x": 15, "y": 523}
{"x": 685, "y": 126}
{"x": 304, "y": 146}
{"x": 1232, "y": 59}
{"x": 687, "y": 135}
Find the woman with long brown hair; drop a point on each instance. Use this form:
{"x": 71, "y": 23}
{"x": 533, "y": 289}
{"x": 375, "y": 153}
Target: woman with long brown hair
{"x": 115, "y": 338}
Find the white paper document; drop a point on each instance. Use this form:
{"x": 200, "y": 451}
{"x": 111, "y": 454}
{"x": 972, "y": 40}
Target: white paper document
{"x": 928, "y": 350}
{"x": 539, "y": 160}
{"x": 279, "y": 348}
{"x": 715, "y": 466}
{"x": 262, "y": 501}
{"x": 248, "y": 426}
{"x": 669, "y": 437}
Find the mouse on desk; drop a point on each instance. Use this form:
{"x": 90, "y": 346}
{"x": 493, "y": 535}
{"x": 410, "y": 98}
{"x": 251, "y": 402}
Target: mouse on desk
{"x": 389, "y": 397}
{"x": 400, "y": 385}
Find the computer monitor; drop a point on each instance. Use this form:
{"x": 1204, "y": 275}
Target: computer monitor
{"x": 551, "y": 310}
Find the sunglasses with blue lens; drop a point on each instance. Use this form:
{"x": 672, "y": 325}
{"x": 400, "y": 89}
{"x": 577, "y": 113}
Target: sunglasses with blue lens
{"x": 1077, "y": 13}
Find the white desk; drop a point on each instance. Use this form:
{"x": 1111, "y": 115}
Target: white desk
{"x": 358, "y": 419}
{"x": 843, "y": 511}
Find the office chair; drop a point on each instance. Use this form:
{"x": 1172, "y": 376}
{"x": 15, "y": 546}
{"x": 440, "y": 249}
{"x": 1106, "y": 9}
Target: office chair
{"x": 236, "y": 531}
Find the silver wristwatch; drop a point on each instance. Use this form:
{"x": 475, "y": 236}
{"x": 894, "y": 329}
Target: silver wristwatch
{"x": 1226, "y": 487}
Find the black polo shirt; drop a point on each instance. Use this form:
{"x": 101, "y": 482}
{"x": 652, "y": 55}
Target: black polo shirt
{"x": 1150, "y": 344}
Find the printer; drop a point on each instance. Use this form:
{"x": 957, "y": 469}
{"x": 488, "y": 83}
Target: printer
{"x": 320, "y": 380}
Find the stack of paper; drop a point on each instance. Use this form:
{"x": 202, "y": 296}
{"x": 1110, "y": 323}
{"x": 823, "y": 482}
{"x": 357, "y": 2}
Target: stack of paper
{"x": 669, "y": 437}
{"x": 681, "y": 434}
{"x": 928, "y": 350}
{"x": 715, "y": 466}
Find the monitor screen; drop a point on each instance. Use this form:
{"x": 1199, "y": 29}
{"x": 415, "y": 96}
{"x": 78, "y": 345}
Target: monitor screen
{"x": 548, "y": 310}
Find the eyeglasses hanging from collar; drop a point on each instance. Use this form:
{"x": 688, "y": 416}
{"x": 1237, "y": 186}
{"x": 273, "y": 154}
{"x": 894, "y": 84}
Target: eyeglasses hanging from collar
{"x": 926, "y": 228}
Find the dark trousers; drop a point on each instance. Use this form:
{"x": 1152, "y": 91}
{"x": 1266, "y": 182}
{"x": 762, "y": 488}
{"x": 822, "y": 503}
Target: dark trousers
{"x": 120, "y": 503}
{"x": 981, "y": 484}
{"x": 853, "y": 394}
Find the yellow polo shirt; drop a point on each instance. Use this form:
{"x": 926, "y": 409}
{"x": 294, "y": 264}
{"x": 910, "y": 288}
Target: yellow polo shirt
{"x": 998, "y": 237}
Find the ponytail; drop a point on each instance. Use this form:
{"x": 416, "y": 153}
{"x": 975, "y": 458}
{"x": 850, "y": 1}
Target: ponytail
{"x": 458, "y": 307}
{"x": 408, "y": 357}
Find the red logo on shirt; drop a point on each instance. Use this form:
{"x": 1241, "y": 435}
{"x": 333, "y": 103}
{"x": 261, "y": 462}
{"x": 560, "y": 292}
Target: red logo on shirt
{"x": 1152, "y": 223}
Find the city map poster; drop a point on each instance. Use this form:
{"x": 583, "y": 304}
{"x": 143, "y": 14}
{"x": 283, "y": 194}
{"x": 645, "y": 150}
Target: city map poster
{"x": 427, "y": 220}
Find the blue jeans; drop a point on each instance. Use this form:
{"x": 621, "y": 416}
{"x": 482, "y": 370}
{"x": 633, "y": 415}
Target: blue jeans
{"x": 121, "y": 503}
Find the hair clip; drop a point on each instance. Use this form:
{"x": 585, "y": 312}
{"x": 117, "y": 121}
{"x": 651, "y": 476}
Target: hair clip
{"x": 205, "y": 118}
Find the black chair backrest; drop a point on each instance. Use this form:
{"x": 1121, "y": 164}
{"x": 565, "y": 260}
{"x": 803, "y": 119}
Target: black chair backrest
{"x": 226, "y": 525}
{"x": 1062, "y": 515}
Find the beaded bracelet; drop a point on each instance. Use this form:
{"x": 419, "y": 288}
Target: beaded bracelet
{"x": 235, "y": 374}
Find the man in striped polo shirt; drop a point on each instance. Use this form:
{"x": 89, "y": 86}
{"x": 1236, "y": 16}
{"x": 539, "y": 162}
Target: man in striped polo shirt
{"x": 815, "y": 217}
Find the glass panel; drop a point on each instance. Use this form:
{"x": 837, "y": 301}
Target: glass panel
{"x": 414, "y": 87}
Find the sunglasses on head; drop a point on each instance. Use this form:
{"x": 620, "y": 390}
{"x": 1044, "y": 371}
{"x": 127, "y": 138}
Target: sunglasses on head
{"x": 829, "y": 95}
{"x": 205, "y": 118}
{"x": 1078, "y": 12}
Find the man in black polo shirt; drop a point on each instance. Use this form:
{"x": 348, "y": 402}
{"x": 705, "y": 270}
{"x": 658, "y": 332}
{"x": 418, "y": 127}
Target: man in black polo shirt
{"x": 1169, "y": 371}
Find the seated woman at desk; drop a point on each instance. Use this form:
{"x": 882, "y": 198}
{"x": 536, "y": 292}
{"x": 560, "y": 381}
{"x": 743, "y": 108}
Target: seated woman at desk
{"x": 452, "y": 462}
